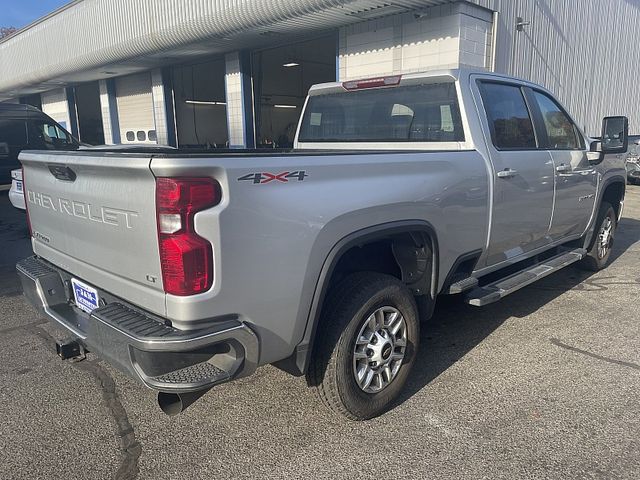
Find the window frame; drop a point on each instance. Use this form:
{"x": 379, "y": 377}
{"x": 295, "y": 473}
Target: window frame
{"x": 521, "y": 87}
{"x": 540, "y": 125}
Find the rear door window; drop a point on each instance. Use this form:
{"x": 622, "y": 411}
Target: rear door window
{"x": 560, "y": 130}
{"x": 417, "y": 113}
{"x": 13, "y": 132}
{"x": 48, "y": 135}
{"x": 508, "y": 116}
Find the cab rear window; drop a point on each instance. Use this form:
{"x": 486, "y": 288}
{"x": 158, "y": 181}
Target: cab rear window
{"x": 416, "y": 113}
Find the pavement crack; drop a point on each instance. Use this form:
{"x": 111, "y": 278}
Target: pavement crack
{"x": 129, "y": 446}
{"x": 613, "y": 361}
{"x": 21, "y": 327}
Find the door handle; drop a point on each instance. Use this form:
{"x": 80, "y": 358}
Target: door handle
{"x": 563, "y": 168}
{"x": 507, "y": 173}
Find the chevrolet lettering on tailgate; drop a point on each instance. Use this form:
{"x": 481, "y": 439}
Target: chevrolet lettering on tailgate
{"x": 99, "y": 214}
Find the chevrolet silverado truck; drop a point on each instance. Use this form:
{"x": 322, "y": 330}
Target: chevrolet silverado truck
{"x": 187, "y": 270}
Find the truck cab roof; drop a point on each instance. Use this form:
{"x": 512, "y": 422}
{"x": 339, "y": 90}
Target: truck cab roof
{"x": 18, "y": 107}
{"x": 430, "y": 76}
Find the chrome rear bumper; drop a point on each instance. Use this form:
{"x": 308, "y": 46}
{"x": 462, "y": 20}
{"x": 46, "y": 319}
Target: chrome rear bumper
{"x": 141, "y": 344}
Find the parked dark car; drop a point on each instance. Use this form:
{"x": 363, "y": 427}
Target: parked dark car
{"x": 633, "y": 160}
{"x": 23, "y": 127}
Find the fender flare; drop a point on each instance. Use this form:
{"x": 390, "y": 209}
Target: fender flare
{"x": 606, "y": 184}
{"x": 298, "y": 362}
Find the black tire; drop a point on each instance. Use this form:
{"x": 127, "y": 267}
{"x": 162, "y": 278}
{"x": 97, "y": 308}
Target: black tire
{"x": 595, "y": 260}
{"x": 347, "y": 307}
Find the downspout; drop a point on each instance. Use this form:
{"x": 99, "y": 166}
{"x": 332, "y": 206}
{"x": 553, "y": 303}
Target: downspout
{"x": 494, "y": 43}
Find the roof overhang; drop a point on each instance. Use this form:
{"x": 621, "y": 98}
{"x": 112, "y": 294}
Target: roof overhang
{"x": 94, "y": 39}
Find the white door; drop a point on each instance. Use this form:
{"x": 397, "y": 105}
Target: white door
{"x": 54, "y": 104}
{"x": 135, "y": 108}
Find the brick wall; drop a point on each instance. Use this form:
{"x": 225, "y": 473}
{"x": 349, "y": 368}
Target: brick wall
{"x": 476, "y": 30}
{"x": 105, "y": 108}
{"x": 235, "y": 112}
{"x": 159, "y": 108}
{"x": 448, "y": 36}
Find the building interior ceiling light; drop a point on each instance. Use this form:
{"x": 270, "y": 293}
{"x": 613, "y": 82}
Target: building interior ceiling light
{"x": 204, "y": 102}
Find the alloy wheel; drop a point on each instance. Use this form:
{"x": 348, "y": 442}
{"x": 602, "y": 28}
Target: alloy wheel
{"x": 380, "y": 349}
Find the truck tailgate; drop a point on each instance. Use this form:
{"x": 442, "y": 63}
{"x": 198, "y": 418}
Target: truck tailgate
{"x": 93, "y": 214}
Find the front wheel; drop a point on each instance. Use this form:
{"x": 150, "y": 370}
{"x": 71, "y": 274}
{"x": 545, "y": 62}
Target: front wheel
{"x": 600, "y": 249}
{"x": 366, "y": 345}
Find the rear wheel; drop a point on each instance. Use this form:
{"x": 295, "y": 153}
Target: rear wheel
{"x": 600, "y": 249}
{"x": 366, "y": 345}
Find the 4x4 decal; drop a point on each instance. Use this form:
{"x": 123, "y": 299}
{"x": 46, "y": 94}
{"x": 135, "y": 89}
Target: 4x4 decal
{"x": 266, "y": 177}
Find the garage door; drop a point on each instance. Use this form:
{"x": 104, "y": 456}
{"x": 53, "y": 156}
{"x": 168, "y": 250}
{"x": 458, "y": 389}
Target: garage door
{"x": 54, "y": 104}
{"x": 135, "y": 108}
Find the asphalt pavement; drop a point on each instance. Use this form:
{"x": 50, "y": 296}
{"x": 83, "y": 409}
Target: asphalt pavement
{"x": 544, "y": 384}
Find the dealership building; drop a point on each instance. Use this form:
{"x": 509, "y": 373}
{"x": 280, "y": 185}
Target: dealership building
{"x": 216, "y": 73}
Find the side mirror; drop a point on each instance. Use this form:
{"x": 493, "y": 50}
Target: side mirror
{"x": 615, "y": 135}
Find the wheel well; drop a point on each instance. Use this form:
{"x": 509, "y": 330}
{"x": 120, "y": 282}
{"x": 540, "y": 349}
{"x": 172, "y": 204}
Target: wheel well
{"x": 613, "y": 194}
{"x": 407, "y": 256}
{"x": 407, "y": 252}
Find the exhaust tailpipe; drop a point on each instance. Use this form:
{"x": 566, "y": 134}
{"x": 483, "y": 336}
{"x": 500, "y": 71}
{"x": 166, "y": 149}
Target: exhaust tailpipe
{"x": 175, "y": 403}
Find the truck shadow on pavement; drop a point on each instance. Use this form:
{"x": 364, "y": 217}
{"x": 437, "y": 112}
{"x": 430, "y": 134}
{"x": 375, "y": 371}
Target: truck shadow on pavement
{"x": 456, "y": 328}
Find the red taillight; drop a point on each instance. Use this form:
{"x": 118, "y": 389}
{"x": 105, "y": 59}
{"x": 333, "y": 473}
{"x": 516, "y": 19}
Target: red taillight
{"x": 185, "y": 257}
{"x": 391, "y": 81}
{"x": 26, "y": 203}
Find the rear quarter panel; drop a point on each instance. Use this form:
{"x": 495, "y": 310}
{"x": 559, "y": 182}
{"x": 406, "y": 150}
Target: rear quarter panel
{"x": 271, "y": 239}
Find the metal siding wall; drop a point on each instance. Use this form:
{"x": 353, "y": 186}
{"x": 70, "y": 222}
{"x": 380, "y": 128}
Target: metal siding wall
{"x": 583, "y": 50}
{"x": 106, "y": 32}
{"x": 587, "y": 52}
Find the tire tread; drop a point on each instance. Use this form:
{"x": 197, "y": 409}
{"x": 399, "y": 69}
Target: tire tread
{"x": 591, "y": 262}
{"x": 322, "y": 374}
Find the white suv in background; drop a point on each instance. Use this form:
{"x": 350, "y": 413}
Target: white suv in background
{"x": 633, "y": 160}
{"x": 16, "y": 193}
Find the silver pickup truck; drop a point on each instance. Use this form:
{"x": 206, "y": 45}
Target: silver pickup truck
{"x": 188, "y": 270}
